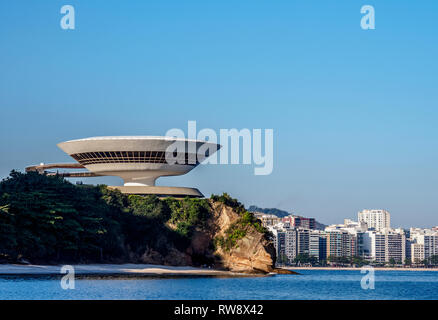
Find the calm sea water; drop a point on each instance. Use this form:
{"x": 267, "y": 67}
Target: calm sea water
{"x": 311, "y": 284}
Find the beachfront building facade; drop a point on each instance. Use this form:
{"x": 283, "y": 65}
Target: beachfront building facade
{"x": 298, "y": 242}
{"x": 340, "y": 244}
{"x": 417, "y": 253}
{"x": 384, "y": 247}
{"x": 424, "y": 244}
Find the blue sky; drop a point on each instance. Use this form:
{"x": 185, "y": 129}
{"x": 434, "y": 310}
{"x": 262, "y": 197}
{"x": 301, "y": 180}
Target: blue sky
{"x": 354, "y": 112}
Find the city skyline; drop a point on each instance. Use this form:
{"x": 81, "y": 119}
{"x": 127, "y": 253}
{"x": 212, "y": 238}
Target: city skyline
{"x": 349, "y": 218}
{"x": 353, "y": 111}
{"x": 371, "y": 239}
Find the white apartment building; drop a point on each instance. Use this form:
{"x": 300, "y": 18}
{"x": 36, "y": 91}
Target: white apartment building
{"x": 297, "y": 242}
{"x": 291, "y": 244}
{"x": 378, "y": 247}
{"x": 385, "y": 246}
{"x": 377, "y": 219}
{"x": 267, "y": 219}
{"x": 417, "y": 253}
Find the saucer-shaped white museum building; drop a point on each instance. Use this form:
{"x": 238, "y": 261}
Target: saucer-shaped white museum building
{"x": 139, "y": 161}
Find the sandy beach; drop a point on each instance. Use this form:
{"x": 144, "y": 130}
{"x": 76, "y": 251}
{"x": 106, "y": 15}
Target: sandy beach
{"x": 115, "y": 270}
{"x": 358, "y": 269}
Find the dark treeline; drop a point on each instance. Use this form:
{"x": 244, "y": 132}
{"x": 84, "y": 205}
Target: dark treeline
{"x": 49, "y": 220}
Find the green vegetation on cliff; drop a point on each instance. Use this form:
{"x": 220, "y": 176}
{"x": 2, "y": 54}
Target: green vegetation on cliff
{"x": 187, "y": 214}
{"x": 48, "y": 219}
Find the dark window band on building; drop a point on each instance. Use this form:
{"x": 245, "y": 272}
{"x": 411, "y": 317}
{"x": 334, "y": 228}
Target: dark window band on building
{"x": 87, "y": 158}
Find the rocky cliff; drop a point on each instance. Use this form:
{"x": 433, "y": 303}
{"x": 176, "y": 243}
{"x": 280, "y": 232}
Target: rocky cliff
{"x": 251, "y": 253}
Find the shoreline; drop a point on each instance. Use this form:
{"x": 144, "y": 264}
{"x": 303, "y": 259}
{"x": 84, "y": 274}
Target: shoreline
{"x": 358, "y": 268}
{"x": 116, "y": 271}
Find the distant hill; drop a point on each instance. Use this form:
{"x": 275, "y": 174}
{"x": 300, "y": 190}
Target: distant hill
{"x": 281, "y": 214}
{"x": 276, "y": 212}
